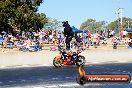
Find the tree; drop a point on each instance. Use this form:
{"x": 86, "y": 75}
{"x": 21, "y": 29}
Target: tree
{"x": 6, "y": 13}
{"x": 38, "y": 21}
{"x": 21, "y": 15}
{"x": 53, "y": 24}
{"x": 116, "y": 24}
{"x": 113, "y": 25}
{"x": 32, "y": 4}
{"x": 92, "y": 25}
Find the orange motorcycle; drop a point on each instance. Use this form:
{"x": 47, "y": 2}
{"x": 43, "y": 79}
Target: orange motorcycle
{"x": 69, "y": 58}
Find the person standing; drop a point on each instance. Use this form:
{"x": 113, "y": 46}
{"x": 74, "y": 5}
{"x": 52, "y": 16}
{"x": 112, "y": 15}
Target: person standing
{"x": 68, "y": 33}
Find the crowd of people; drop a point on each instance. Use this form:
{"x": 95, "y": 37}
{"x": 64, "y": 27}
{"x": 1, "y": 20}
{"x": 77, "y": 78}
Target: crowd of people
{"x": 56, "y": 39}
{"x": 27, "y": 39}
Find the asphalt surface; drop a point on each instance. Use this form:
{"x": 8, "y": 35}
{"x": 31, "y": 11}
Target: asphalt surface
{"x": 65, "y": 77}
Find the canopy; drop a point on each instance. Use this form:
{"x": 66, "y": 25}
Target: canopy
{"x": 1, "y": 39}
{"x": 75, "y": 30}
{"x": 129, "y": 30}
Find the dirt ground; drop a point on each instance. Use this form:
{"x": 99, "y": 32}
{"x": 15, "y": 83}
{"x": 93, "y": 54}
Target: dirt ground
{"x": 99, "y": 55}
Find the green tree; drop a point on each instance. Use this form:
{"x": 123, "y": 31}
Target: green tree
{"x": 32, "y": 4}
{"x": 117, "y": 25}
{"x": 92, "y": 25}
{"x": 21, "y": 15}
{"x": 6, "y": 14}
{"x": 53, "y": 24}
{"x": 113, "y": 25}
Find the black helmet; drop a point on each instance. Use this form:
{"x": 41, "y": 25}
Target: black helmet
{"x": 65, "y": 23}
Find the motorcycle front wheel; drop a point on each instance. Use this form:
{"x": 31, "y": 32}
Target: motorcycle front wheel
{"x": 80, "y": 60}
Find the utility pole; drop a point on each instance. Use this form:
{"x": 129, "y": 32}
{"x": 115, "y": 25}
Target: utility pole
{"x": 121, "y": 18}
{"x": 118, "y": 19}
{"x": 120, "y": 12}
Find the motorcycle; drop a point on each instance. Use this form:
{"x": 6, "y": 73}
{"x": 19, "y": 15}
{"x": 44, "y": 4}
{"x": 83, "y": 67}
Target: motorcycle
{"x": 30, "y": 49}
{"x": 69, "y": 58}
{"x": 114, "y": 45}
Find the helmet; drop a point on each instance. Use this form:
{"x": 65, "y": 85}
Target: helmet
{"x": 65, "y": 23}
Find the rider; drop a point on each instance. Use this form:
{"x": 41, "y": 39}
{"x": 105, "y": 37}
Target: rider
{"x": 114, "y": 40}
{"x": 68, "y": 33}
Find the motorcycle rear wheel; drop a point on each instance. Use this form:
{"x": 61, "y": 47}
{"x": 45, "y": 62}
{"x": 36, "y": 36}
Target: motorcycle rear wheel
{"x": 57, "y": 63}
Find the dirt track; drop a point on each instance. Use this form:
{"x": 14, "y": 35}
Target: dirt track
{"x": 45, "y": 57}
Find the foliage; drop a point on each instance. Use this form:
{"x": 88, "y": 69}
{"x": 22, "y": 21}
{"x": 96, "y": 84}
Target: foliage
{"x": 53, "y": 24}
{"x": 21, "y": 15}
{"x": 92, "y": 25}
{"x": 117, "y": 25}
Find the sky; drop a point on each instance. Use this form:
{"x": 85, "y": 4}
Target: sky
{"x": 78, "y": 11}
